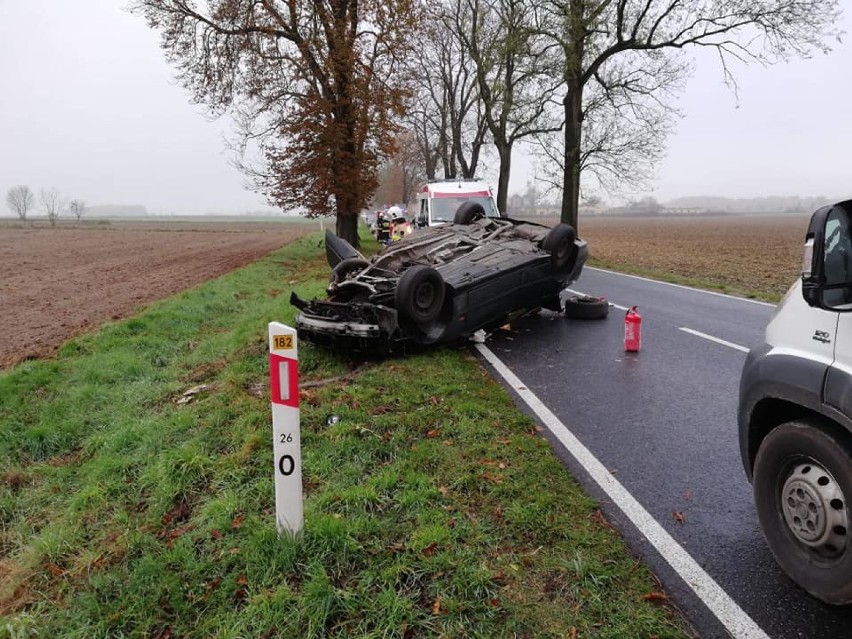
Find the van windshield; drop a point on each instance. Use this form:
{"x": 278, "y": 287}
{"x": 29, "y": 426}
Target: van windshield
{"x": 444, "y": 208}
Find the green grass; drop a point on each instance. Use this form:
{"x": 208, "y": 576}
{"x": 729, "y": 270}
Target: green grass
{"x": 433, "y": 508}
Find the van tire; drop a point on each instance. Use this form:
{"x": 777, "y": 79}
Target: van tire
{"x": 802, "y": 484}
{"x": 559, "y": 242}
{"x": 468, "y": 212}
{"x": 420, "y": 294}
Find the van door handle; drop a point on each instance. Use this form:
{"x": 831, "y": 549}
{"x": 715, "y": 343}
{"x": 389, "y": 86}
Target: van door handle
{"x": 822, "y": 336}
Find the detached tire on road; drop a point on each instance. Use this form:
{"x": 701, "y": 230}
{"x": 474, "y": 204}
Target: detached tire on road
{"x": 586, "y": 307}
{"x": 559, "y": 242}
{"x": 420, "y": 294}
{"x": 802, "y": 481}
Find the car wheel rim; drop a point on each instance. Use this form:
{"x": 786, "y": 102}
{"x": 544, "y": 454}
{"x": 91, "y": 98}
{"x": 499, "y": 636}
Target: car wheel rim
{"x": 815, "y": 509}
{"x": 424, "y": 297}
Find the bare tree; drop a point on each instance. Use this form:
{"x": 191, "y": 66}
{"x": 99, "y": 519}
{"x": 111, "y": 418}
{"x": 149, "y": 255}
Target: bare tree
{"x": 512, "y": 63}
{"x": 595, "y": 35}
{"x": 626, "y": 120}
{"x": 20, "y": 200}
{"x": 402, "y": 174}
{"x": 445, "y": 113}
{"x": 77, "y": 208}
{"x": 52, "y": 203}
{"x": 316, "y": 88}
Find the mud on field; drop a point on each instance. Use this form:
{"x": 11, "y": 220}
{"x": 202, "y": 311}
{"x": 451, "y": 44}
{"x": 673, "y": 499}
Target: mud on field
{"x": 748, "y": 253}
{"x": 58, "y": 282}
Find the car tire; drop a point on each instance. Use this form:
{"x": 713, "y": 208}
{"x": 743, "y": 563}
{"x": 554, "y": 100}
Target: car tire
{"x": 559, "y": 242}
{"x": 339, "y": 272}
{"x": 802, "y": 481}
{"x": 420, "y": 294}
{"x": 585, "y": 307}
{"x": 468, "y": 212}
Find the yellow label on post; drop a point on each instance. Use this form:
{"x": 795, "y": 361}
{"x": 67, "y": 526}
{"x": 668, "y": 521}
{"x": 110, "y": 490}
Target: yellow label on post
{"x": 282, "y": 342}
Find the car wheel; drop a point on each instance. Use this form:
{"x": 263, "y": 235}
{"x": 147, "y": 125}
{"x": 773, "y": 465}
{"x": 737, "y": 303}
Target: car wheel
{"x": 468, "y": 212}
{"x": 586, "y": 307}
{"x": 344, "y": 268}
{"x": 559, "y": 242}
{"x": 802, "y": 484}
{"x": 420, "y": 294}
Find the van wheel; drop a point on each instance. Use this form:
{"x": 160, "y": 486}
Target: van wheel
{"x": 802, "y": 484}
{"x": 559, "y": 242}
{"x": 420, "y": 294}
{"x": 468, "y": 212}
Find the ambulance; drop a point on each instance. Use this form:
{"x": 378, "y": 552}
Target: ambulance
{"x": 438, "y": 201}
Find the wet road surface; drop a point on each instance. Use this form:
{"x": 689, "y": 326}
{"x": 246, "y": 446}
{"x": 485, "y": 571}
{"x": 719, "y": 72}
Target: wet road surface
{"x": 663, "y": 422}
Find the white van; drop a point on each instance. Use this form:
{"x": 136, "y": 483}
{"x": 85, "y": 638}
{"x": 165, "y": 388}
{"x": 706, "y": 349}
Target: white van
{"x": 795, "y": 415}
{"x": 437, "y": 202}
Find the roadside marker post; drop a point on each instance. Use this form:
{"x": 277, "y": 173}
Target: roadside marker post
{"x": 286, "y": 439}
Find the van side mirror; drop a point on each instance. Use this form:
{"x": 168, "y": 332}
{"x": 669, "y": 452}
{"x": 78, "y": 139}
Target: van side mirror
{"x": 827, "y": 258}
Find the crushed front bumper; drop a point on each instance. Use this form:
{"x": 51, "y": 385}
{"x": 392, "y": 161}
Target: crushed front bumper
{"x": 355, "y": 326}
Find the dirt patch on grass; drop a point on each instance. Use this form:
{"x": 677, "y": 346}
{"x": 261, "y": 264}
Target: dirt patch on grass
{"x": 58, "y": 282}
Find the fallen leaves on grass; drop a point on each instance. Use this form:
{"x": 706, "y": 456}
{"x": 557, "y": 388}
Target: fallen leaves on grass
{"x": 656, "y": 597}
{"x": 191, "y": 393}
{"x": 492, "y": 479}
{"x": 211, "y": 586}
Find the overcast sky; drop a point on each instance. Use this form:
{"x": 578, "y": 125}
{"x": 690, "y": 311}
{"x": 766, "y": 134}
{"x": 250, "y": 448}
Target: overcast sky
{"x": 90, "y": 107}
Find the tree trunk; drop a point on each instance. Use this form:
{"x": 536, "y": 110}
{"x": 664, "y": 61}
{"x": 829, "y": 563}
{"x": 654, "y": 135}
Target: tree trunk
{"x": 505, "y": 154}
{"x": 573, "y": 103}
{"x": 347, "y": 227}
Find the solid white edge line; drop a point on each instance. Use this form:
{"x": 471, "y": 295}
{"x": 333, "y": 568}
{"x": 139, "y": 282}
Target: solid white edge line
{"x": 714, "y": 339}
{"x": 734, "y": 618}
{"x": 688, "y": 288}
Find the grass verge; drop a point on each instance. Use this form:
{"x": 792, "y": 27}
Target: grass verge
{"x": 136, "y": 496}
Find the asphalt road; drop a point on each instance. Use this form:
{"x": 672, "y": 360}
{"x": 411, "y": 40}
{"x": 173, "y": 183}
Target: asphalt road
{"x": 663, "y": 422}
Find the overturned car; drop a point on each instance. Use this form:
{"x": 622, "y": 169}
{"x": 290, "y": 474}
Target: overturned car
{"x": 441, "y": 284}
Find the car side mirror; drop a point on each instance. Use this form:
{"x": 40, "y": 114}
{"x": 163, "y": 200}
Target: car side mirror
{"x": 810, "y": 282}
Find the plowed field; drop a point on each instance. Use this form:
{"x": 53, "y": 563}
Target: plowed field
{"x": 761, "y": 254}
{"x": 57, "y": 282}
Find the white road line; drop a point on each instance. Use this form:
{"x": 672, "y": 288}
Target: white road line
{"x": 688, "y": 288}
{"x": 734, "y": 618}
{"x": 714, "y": 339}
{"x": 620, "y": 308}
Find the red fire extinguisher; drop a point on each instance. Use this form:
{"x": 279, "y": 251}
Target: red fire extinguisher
{"x": 632, "y": 330}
